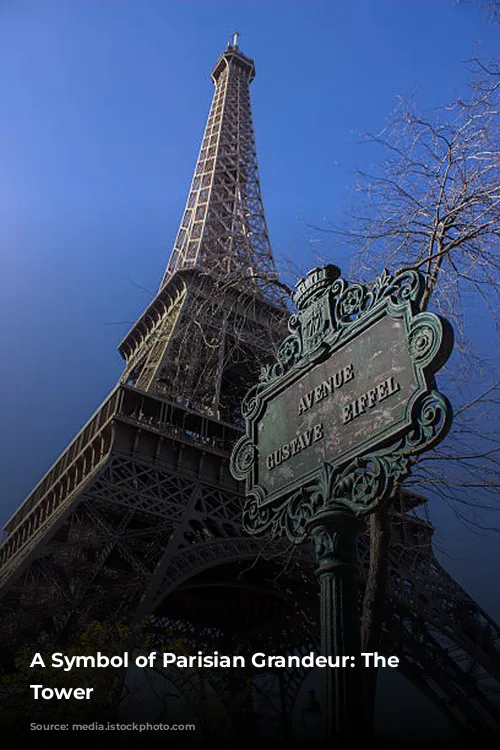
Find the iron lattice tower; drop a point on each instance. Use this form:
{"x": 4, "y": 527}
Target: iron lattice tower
{"x": 223, "y": 227}
{"x": 140, "y": 517}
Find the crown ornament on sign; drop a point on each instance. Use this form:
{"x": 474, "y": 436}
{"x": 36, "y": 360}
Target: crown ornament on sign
{"x": 314, "y": 284}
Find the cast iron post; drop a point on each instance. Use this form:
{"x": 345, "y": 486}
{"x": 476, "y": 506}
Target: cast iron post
{"x": 335, "y": 535}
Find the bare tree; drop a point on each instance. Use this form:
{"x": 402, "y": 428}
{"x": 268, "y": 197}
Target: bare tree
{"x": 491, "y": 9}
{"x": 433, "y": 205}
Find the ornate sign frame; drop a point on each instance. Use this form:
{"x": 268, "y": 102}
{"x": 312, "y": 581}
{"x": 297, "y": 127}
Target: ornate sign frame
{"x": 331, "y": 316}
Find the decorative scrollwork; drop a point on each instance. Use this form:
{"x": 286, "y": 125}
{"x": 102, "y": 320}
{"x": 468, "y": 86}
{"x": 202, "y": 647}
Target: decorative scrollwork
{"x": 355, "y": 301}
{"x": 408, "y": 286}
{"x": 251, "y": 402}
{"x": 405, "y": 286}
{"x": 242, "y": 458}
{"x": 293, "y": 322}
{"x": 338, "y": 287}
{"x": 257, "y": 517}
{"x": 426, "y": 336}
{"x": 431, "y": 421}
{"x": 268, "y": 373}
{"x": 421, "y": 342}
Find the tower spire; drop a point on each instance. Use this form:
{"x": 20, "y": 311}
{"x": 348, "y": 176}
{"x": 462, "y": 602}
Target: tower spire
{"x": 223, "y": 229}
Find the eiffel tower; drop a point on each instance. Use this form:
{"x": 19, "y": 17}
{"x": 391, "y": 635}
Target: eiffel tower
{"x": 140, "y": 517}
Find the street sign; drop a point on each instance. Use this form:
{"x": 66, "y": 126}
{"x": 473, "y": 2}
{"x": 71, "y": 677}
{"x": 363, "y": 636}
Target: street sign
{"x": 330, "y": 431}
{"x": 350, "y": 400}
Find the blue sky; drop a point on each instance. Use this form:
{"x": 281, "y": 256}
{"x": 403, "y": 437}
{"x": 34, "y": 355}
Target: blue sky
{"x": 104, "y": 105}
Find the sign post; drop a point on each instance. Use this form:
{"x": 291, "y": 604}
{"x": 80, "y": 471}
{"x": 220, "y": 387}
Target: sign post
{"x": 330, "y": 432}
{"x": 335, "y": 537}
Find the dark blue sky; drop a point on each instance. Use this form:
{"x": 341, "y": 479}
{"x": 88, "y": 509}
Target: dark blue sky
{"x": 104, "y": 105}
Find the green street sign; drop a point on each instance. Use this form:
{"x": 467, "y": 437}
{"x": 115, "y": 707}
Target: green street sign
{"x": 350, "y": 400}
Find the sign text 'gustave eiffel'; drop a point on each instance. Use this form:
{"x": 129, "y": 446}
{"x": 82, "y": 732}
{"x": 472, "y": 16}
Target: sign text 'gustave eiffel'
{"x": 348, "y": 412}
